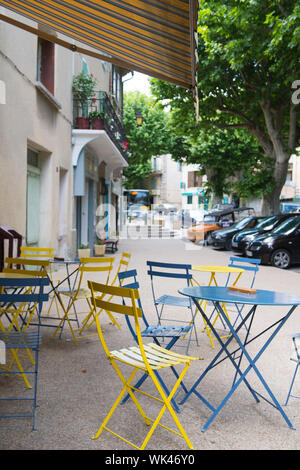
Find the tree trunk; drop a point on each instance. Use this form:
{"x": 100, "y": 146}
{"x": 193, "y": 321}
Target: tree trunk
{"x": 273, "y": 145}
{"x": 214, "y": 198}
{"x": 271, "y": 202}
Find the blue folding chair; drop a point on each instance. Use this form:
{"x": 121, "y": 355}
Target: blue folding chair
{"x": 157, "y": 332}
{"x": 296, "y": 359}
{"x": 251, "y": 266}
{"x": 16, "y": 295}
{"x": 175, "y": 271}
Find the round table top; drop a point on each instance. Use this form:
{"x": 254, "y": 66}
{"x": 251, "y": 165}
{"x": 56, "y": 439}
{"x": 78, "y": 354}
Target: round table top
{"x": 217, "y": 269}
{"x": 223, "y": 294}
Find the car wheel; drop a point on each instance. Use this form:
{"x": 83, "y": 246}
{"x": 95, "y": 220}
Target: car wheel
{"x": 208, "y": 239}
{"x": 228, "y": 244}
{"x": 281, "y": 259}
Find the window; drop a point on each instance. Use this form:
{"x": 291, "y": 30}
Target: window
{"x": 32, "y": 158}
{"x": 194, "y": 179}
{"x": 84, "y": 66}
{"x": 116, "y": 79}
{"x": 190, "y": 199}
{"x": 45, "y": 64}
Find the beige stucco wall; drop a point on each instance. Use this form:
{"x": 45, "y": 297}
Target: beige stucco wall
{"x": 29, "y": 119}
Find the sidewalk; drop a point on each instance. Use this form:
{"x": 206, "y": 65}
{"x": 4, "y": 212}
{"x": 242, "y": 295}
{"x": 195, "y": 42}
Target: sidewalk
{"x": 77, "y": 386}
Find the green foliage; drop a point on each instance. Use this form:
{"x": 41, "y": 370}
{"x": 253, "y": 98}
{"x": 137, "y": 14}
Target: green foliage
{"x": 96, "y": 115}
{"x": 83, "y": 86}
{"x": 232, "y": 160}
{"x": 248, "y": 59}
{"x": 100, "y": 242}
{"x": 145, "y": 141}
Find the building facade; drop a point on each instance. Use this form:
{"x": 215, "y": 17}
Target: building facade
{"x": 59, "y": 184}
{"x": 177, "y": 184}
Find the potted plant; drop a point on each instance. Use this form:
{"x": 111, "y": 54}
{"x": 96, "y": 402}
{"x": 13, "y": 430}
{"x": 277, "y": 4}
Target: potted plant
{"x": 99, "y": 248}
{"x": 84, "y": 251}
{"x": 97, "y": 119}
{"x": 83, "y": 88}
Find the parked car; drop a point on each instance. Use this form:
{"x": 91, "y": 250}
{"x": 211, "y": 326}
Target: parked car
{"x": 223, "y": 238}
{"x": 241, "y": 240}
{"x": 216, "y": 220}
{"x": 290, "y": 207}
{"x": 281, "y": 247}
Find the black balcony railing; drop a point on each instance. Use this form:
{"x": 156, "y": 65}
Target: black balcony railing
{"x": 98, "y": 113}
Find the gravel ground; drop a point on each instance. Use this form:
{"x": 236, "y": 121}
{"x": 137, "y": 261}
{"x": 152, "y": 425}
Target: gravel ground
{"x": 77, "y": 385}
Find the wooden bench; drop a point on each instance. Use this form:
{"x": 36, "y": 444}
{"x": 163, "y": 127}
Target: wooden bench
{"x": 111, "y": 244}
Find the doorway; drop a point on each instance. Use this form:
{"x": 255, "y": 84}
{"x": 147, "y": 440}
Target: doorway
{"x": 33, "y": 199}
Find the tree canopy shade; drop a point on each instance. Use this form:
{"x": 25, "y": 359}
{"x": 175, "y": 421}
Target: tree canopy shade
{"x": 144, "y": 141}
{"x": 233, "y": 163}
{"x": 248, "y": 61}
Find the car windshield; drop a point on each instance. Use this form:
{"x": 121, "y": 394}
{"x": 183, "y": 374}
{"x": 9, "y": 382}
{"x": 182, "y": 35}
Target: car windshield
{"x": 242, "y": 223}
{"x": 288, "y": 226}
{"x": 210, "y": 218}
{"x": 268, "y": 223}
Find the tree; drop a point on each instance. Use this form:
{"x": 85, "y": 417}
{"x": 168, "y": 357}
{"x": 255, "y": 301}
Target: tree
{"x": 231, "y": 160}
{"x": 145, "y": 141}
{"x": 248, "y": 61}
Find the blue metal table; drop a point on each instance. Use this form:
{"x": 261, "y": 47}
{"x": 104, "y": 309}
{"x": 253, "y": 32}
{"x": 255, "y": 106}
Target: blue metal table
{"x": 219, "y": 296}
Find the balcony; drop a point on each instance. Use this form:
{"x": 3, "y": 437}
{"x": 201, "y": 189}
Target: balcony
{"x": 84, "y": 118}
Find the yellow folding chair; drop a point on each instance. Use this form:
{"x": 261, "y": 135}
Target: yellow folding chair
{"x": 145, "y": 358}
{"x": 123, "y": 264}
{"x": 82, "y": 292}
{"x": 33, "y": 252}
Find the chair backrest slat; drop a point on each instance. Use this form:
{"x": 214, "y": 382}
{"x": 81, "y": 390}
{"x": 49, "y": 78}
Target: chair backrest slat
{"x": 174, "y": 275}
{"x": 111, "y": 290}
{"x": 12, "y": 298}
{"x": 36, "y": 252}
{"x": 25, "y": 272}
{"x": 88, "y": 269}
{"x": 240, "y": 263}
{"x": 125, "y": 274}
{"x": 97, "y": 260}
{"x": 27, "y": 262}
{"x": 40, "y": 265}
{"x": 121, "y": 292}
{"x": 18, "y": 296}
{"x": 244, "y": 263}
{"x": 168, "y": 265}
{"x": 23, "y": 282}
{"x": 117, "y": 308}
